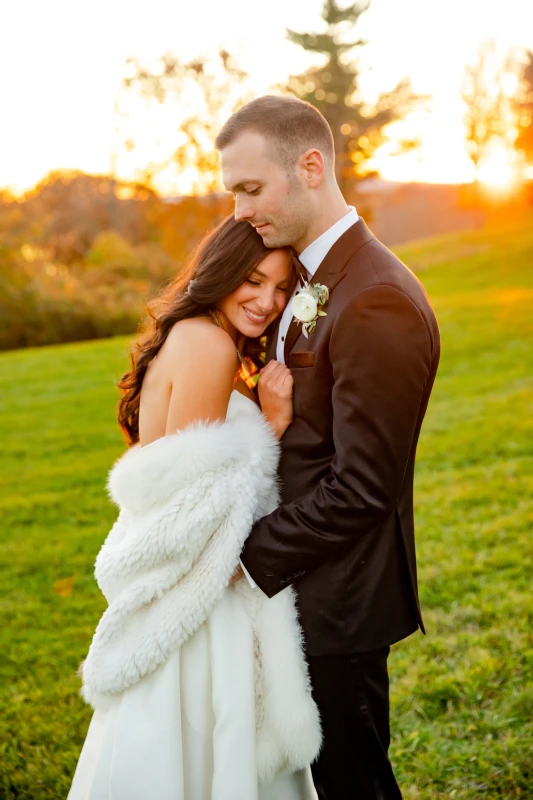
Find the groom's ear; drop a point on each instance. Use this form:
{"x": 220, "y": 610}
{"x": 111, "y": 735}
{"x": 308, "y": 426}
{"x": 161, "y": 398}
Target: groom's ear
{"x": 313, "y": 168}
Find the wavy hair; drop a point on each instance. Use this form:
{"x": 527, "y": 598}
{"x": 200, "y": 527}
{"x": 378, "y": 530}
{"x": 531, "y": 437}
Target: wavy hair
{"x": 222, "y": 262}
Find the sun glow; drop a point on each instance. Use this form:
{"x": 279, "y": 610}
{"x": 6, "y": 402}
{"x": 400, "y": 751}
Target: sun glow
{"x": 62, "y": 115}
{"x": 498, "y": 171}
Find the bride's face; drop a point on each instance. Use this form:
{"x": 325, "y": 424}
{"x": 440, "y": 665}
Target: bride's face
{"x": 262, "y": 297}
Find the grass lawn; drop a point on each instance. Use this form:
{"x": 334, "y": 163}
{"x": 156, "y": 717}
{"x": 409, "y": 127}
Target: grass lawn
{"x": 462, "y": 697}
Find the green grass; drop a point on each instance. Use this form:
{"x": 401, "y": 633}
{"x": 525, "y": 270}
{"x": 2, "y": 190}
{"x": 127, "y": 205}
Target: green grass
{"x": 462, "y": 697}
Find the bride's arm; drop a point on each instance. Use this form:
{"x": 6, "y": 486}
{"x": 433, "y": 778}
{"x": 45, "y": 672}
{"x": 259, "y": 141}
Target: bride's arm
{"x": 200, "y": 362}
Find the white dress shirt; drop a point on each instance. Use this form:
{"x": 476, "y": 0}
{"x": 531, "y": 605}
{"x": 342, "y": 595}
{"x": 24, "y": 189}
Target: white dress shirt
{"x": 311, "y": 258}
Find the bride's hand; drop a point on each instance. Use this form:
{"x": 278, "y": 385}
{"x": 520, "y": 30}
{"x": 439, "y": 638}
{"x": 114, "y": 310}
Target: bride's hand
{"x": 275, "y": 395}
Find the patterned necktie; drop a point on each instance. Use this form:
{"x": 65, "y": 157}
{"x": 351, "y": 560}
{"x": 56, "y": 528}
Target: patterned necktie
{"x": 301, "y": 271}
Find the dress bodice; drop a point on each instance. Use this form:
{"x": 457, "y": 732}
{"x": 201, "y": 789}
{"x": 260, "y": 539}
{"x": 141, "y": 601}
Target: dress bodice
{"x": 239, "y": 403}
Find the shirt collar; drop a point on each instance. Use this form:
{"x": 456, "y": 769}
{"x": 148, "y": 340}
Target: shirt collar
{"x": 315, "y": 253}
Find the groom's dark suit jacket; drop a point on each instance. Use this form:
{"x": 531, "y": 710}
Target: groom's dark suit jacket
{"x": 344, "y": 534}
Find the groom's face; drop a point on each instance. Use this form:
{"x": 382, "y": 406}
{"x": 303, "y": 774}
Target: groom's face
{"x": 274, "y": 202}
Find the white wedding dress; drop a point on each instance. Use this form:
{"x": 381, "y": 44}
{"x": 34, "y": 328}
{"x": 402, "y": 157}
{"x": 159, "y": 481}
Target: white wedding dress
{"x": 187, "y": 730}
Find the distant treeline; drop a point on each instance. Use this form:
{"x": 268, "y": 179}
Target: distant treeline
{"x": 80, "y": 255}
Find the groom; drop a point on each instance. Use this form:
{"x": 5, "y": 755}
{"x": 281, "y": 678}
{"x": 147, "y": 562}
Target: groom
{"x": 344, "y": 534}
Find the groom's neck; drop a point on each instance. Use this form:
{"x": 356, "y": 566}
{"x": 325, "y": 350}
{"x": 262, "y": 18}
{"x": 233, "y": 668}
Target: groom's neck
{"x": 330, "y": 208}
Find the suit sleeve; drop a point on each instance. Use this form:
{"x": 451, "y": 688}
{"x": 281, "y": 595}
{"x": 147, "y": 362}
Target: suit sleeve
{"x": 380, "y": 351}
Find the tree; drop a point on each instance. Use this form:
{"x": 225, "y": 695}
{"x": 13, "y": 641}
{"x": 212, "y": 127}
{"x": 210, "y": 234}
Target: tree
{"x": 358, "y": 127}
{"x": 199, "y": 96}
{"x": 524, "y": 110}
{"x": 488, "y": 110}
{"x": 66, "y": 211}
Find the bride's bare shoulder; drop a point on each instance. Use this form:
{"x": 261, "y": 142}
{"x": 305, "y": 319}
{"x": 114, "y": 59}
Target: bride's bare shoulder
{"x": 198, "y": 366}
{"x": 198, "y": 340}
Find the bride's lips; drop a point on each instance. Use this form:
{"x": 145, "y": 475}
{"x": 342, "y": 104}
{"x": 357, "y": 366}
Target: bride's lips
{"x": 257, "y": 319}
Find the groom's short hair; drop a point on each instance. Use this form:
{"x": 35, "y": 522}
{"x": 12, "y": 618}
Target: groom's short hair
{"x": 291, "y": 127}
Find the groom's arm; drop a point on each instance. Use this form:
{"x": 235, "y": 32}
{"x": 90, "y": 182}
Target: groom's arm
{"x": 381, "y": 353}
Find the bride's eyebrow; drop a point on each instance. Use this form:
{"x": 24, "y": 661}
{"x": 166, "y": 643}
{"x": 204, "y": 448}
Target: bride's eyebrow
{"x": 262, "y": 274}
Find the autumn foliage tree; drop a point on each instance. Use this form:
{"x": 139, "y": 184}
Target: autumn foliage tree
{"x": 524, "y": 110}
{"x": 81, "y": 254}
{"x": 196, "y": 98}
{"x": 488, "y": 115}
{"x": 359, "y": 128}
{"x": 66, "y": 211}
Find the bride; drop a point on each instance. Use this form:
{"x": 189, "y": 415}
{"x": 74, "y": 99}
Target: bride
{"x": 198, "y": 680}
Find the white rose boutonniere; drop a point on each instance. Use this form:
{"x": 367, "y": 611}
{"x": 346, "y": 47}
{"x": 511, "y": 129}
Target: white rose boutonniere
{"x": 306, "y": 304}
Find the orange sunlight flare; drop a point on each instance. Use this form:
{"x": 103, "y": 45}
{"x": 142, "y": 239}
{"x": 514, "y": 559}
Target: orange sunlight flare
{"x": 499, "y": 170}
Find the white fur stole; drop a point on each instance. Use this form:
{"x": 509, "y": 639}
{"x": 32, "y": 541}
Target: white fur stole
{"x": 187, "y": 503}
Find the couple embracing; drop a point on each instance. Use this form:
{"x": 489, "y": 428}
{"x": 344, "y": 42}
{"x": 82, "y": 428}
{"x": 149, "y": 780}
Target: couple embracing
{"x": 263, "y": 559}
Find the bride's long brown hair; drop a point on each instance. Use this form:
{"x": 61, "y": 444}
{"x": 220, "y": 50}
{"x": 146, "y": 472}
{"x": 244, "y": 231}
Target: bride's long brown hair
{"x": 222, "y": 262}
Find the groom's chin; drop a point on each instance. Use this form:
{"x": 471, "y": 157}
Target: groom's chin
{"x": 266, "y": 234}
{"x": 271, "y": 239}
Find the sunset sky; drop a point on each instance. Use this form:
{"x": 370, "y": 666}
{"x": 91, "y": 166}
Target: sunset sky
{"x": 61, "y": 63}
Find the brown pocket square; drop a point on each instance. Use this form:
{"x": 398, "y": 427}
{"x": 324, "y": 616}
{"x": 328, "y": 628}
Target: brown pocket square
{"x": 301, "y": 359}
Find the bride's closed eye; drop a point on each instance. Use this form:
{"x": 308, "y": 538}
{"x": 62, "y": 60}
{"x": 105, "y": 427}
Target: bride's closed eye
{"x": 258, "y": 283}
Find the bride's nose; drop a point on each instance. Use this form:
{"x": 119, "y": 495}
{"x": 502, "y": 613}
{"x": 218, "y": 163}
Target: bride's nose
{"x": 266, "y": 300}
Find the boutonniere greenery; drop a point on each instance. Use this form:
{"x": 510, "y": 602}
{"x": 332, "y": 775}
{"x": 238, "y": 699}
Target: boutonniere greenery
{"x": 306, "y": 305}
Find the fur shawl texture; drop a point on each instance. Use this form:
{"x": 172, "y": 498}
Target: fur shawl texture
{"x": 187, "y": 503}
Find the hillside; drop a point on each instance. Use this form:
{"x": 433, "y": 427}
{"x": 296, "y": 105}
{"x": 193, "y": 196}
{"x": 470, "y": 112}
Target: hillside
{"x": 461, "y": 702}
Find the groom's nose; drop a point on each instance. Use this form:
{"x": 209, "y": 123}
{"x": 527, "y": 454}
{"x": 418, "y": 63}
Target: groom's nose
{"x": 243, "y": 209}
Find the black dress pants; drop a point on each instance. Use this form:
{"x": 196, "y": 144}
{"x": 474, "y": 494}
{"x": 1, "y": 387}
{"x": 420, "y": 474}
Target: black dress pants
{"x": 352, "y": 695}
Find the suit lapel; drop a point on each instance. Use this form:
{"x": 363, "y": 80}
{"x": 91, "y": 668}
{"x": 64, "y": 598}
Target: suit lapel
{"x": 331, "y": 271}
{"x": 272, "y": 345}
{"x": 295, "y": 328}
